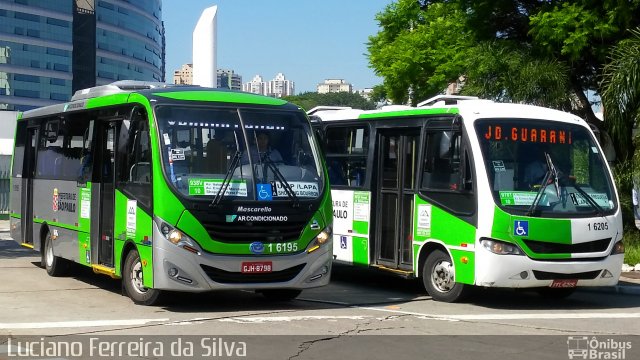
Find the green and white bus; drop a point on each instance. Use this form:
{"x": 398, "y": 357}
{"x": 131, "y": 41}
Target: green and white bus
{"x": 461, "y": 192}
{"x": 169, "y": 188}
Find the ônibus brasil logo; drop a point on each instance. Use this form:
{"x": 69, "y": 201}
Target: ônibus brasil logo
{"x": 581, "y": 347}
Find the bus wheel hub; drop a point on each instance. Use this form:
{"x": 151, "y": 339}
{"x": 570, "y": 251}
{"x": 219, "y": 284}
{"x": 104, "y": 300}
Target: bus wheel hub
{"x": 442, "y": 276}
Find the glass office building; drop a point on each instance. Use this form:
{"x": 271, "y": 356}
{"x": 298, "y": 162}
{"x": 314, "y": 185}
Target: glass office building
{"x": 51, "y": 48}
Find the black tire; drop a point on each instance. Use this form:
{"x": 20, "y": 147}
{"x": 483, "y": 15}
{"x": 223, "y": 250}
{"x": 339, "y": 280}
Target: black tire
{"x": 132, "y": 281}
{"x": 555, "y": 293}
{"x": 281, "y": 294}
{"x": 438, "y": 278}
{"x": 55, "y": 265}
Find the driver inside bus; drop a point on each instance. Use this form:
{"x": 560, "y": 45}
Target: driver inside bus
{"x": 262, "y": 150}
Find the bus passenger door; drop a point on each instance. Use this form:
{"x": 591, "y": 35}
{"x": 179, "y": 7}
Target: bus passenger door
{"x": 397, "y": 168}
{"x": 102, "y": 214}
{"x": 27, "y": 185}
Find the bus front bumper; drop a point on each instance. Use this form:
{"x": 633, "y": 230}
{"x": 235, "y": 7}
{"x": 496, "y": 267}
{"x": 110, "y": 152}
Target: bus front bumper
{"x": 519, "y": 271}
{"x": 177, "y": 269}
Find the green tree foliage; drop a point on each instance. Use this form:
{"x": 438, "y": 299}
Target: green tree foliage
{"x": 621, "y": 92}
{"x": 506, "y": 73}
{"x": 309, "y": 100}
{"x": 418, "y": 52}
{"x": 544, "y": 52}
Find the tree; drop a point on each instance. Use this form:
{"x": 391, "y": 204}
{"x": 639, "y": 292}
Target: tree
{"x": 621, "y": 92}
{"x": 418, "y": 52}
{"x": 423, "y": 45}
{"x": 309, "y": 100}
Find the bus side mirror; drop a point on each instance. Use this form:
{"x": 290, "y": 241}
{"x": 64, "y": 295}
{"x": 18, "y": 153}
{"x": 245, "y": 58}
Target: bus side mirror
{"x": 51, "y": 130}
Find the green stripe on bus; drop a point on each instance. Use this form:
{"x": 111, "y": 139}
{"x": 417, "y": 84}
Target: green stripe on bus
{"x": 56, "y": 224}
{"x": 411, "y": 112}
{"x": 221, "y": 96}
{"x": 108, "y": 100}
{"x": 16, "y": 216}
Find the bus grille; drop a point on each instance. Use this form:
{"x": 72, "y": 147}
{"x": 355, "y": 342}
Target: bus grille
{"x": 543, "y": 275}
{"x": 541, "y": 247}
{"x": 227, "y": 277}
{"x": 249, "y": 232}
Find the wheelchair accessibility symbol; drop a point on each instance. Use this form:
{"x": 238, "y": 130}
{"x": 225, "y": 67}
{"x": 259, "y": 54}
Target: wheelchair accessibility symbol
{"x": 521, "y": 228}
{"x": 265, "y": 192}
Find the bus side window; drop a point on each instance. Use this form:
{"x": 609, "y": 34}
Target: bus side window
{"x": 346, "y": 154}
{"x": 441, "y": 169}
{"x": 134, "y": 169}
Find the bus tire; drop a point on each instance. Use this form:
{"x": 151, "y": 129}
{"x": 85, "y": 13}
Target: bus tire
{"x": 55, "y": 265}
{"x": 555, "y": 294}
{"x": 281, "y": 294}
{"x": 438, "y": 278}
{"x": 133, "y": 282}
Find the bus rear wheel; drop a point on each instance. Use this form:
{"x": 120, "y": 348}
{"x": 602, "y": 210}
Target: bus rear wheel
{"x": 438, "y": 278}
{"x": 133, "y": 281}
{"x": 55, "y": 265}
{"x": 281, "y": 294}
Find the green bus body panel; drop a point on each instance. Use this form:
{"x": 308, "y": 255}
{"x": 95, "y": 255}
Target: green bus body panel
{"x": 107, "y": 100}
{"x": 447, "y": 228}
{"x": 360, "y": 252}
{"x": 541, "y": 229}
{"x": 84, "y": 248}
{"x": 141, "y": 234}
{"x": 409, "y": 112}
{"x": 221, "y": 96}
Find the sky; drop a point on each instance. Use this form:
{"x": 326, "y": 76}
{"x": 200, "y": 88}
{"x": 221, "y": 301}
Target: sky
{"x": 306, "y": 40}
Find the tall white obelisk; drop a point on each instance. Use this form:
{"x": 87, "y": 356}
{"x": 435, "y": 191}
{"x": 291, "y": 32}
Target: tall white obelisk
{"x": 204, "y": 49}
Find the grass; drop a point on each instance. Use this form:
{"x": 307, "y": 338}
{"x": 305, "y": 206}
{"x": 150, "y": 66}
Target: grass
{"x": 632, "y": 246}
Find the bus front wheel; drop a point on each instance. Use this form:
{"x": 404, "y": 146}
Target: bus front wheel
{"x": 133, "y": 281}
{"x": 55, "y": 265}
{"x": 438, "y": 278}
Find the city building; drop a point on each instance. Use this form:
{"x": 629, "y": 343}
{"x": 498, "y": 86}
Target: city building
{"x": 205, "y": 49}
{"x": 280, "y": 86}
{"x": 334, "y": 85}
{"x": 49, "y": 49}
{"x": 228, "y": 79}
{"x": 365, "y": 93}
{"x": 256, "y": 86}
{"x": 184, "y": 76}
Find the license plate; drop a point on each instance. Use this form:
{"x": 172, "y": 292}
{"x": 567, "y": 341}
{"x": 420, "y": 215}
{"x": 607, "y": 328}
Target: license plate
{"x": 564, "y": 283}
{"x": 256, "y": 267}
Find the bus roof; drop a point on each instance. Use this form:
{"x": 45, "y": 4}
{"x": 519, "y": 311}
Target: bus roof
{"x": 119, "y": 92}
{"x": 469, "y": 107}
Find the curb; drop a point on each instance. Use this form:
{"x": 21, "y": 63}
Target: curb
{"x": 617, "y": 289}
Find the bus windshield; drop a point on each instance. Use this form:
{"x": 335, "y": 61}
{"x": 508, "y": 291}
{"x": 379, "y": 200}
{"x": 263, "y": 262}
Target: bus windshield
{"x": 548, "y": 168}
{"x": 253, "y": 154}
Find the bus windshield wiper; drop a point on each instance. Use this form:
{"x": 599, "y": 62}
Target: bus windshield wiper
{"x": 551, "y": 174}
{"x": 587, "y": 197}
{"x": 536, "y": 200}
{"x": 278, "y": 175}
{"x": 227, "y": 179}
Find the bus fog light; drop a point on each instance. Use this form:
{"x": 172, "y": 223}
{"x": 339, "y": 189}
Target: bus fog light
{"x": 173, "y": 272}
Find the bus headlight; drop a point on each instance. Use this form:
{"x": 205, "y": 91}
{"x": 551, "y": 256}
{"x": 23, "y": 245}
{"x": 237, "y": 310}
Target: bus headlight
{"x": 322, "y": 238}
{"x": 618, "y": 248}
{"x": 174, "y": 236}
{"x": 501, "y": 247}
{"x": 177, "y": 238}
